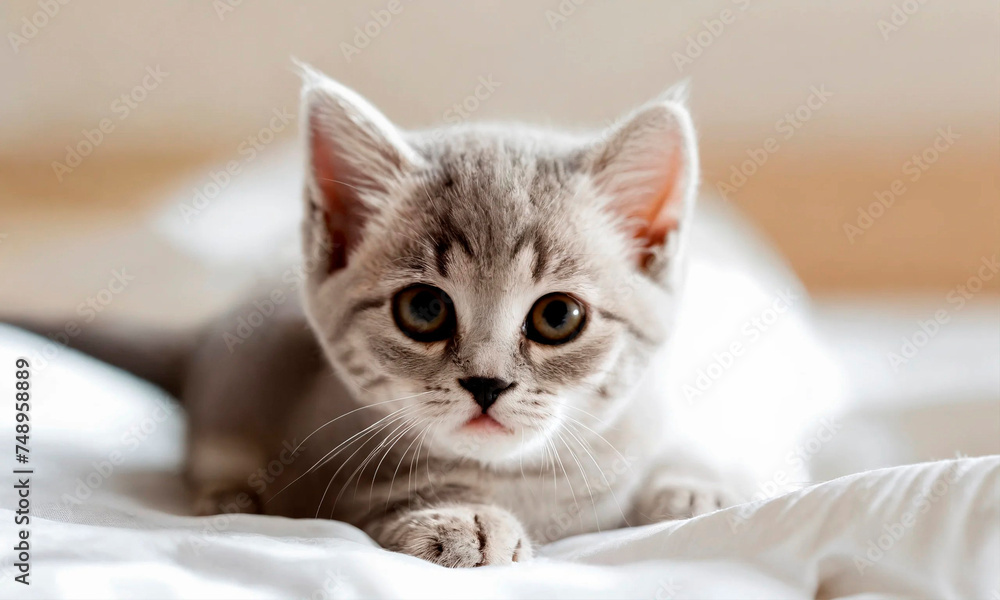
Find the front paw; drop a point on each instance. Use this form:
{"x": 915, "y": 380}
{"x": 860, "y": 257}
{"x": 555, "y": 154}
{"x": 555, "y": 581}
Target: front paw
{"x": 460, "y": 536}
{"x": 680, "y": 498}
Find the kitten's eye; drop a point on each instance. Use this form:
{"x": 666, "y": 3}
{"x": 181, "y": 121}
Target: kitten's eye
{"x": 424, "y": 313}
{"x": 554, "y": 319}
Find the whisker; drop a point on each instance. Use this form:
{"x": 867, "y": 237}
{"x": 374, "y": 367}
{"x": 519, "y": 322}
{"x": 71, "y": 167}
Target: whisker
{"x": 591, "y": 415}
{"x": 586, "y": 481}
{"x": 336, "y": 449}
{"x": 601, "y": 471}
{"x": 521, "y": 462}
{"x": 341, "y": 183}
{"x": 550, "y": 455}
{"x": 414, "y": 423}
{"x": 371, "y": 455}
{"x": 388, "y": 495}
{"x": 352, "y": 412}
{"x": 399, "y": 415}
{"x": 409, "y": 476}
{"x": 627, "y": 462}
{"x": 319, "y": 463}
{"x": 555, "y": 452}
{"x": 427, "y": 470}
{"x": 348, "y": 460}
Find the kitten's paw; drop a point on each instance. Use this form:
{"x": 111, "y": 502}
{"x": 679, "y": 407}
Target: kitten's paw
{"x": 461, "y": 536}
{"x": 680, "y": 498}
{"x": 217, "y": 500}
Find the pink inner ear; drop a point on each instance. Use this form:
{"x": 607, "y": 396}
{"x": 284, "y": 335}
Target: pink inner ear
{"x": 657, "y": 215}
{"x": 338, "y": 200}
{"x": 323, "y": 155}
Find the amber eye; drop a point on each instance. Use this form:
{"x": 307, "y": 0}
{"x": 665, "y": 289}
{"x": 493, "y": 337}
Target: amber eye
{"x": 554, "y": 319}
{"x": 424, "y": 313}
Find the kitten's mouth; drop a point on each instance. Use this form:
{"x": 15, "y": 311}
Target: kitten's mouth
{"x": 485, "y": 424}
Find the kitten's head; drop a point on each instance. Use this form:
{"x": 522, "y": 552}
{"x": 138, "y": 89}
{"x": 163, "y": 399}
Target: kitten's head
{"x": 507, "y": 282}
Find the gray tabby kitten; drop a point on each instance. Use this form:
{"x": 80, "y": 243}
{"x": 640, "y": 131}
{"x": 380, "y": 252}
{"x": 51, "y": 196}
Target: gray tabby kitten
{"x": 470, "y": 372}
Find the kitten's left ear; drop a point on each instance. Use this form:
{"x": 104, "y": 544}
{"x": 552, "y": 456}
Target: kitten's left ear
{"x": 647, "y": 168}
{"x": 356, "y": 156}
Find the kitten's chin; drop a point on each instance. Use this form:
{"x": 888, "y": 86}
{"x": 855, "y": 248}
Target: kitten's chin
{"x": 489, "y": 441}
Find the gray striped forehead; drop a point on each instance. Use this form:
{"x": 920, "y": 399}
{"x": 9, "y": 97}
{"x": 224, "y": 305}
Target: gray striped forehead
{"x": 491, "y": 200}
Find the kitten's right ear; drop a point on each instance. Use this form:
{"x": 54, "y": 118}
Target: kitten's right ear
{"x": 647, "y": 168}
{"x": 355, "y": 156}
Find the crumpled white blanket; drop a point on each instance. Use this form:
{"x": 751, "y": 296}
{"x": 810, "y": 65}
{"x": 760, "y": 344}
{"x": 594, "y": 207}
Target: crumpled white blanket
{"x": 921, "y": 531}
{"x": 108, "y": 521}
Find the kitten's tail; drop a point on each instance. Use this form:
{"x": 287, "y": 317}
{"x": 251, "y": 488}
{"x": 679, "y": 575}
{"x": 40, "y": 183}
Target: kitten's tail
{"x": 160, "y": 356}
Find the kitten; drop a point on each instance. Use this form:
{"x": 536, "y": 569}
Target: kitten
{"x": 474, "y": 367}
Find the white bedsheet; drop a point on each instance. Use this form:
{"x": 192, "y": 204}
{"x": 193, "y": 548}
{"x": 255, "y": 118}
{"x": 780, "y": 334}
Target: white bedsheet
{"x": 108, "y": 520}
{"x": 836, "y": 540}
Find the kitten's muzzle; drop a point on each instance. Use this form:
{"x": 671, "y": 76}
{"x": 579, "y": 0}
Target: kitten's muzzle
{"x": 485, "y": 390}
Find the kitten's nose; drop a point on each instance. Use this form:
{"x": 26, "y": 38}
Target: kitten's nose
{"x": 485, "y": 390}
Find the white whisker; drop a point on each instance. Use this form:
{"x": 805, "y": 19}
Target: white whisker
{"x": 414, "y": 423}
{"x": 521, "y": 462}
{"x": 627, "y": 462}
{"x": 398, "y": 414}
{"x": 601, "y": 471}
{"x": 350, "y": 412}
{"x": 319, "y": 463}
{"x": 348, "y": 460}
{"x": 586, "y": 481}
{"x": 409, "y": 476}
{"x": 388, "y": 495}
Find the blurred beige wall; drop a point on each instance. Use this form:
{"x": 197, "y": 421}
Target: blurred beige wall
{"x": 837, "y": 96}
